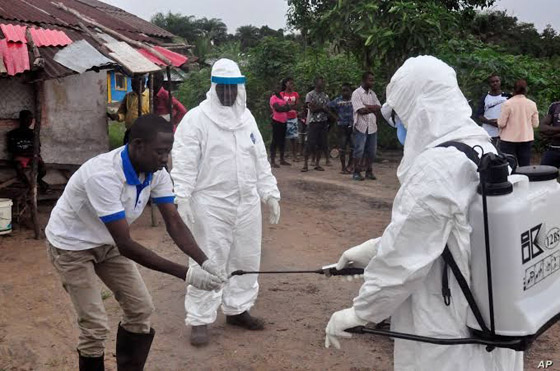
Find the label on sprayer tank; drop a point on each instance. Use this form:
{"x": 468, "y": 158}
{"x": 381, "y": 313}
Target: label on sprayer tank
{"x": 539, "y": 251}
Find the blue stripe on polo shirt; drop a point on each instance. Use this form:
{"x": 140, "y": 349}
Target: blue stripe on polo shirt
{"x": 111, "y": 218}
{"x": 163, "y": 200}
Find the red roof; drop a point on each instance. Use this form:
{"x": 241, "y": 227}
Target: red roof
{"x": 176, "y": 59}
{"x": 14, "y": 56}
{"x": 43, "y": 37}
{"x": 14, "y": 33}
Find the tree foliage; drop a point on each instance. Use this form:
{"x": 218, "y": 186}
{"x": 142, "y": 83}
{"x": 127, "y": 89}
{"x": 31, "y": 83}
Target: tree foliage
{"x": 191, "y": 29}
{"x": 498, "y": 28}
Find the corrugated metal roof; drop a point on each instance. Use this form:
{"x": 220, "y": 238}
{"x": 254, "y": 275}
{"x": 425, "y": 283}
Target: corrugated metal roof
{"x": 176, "y": 59}
{"x": 44, "y": 11}
{"x": 130, "y": 19}
{"x": 130, "y": 59}
{"x": 81, "y": 56}
{"x": 44, "y": 37}
{"x": 15, "y": 57}
{"x": 52, "y": 68}
{"x": 14, "y": 33}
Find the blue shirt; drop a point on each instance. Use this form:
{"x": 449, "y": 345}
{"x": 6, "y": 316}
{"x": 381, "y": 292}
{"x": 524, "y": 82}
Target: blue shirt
{"x": 344, "y": 111}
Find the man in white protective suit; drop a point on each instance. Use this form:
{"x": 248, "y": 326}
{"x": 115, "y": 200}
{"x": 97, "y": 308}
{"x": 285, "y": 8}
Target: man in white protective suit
{"x": 403, "y": 267}
{"x": 221, "y": 174}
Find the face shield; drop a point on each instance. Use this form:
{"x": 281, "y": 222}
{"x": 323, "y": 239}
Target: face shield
{"x": 394, "y": 121}
{"x": 227, "y": 88}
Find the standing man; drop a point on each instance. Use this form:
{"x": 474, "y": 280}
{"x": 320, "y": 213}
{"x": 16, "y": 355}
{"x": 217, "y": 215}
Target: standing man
{"x": 128, "y": 109}
{"x": 89, "y": 237}
{"x": 20, "y": 145}
{"x": 550, "y": 130}
{"x": 342, "y": 106}
{"x": 366, "y": 107}
{"x": 221, "y": 175}
{"x": 490, "y": 107}
{"x": 161, "y": 101}
{"x": 317, "y": 124}
{"x": 403, "y": 267}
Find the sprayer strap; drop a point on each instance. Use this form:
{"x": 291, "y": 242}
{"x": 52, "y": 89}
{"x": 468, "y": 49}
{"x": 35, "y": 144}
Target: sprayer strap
{"x": 450, "y": 261}
{"x": 465, "y": 148}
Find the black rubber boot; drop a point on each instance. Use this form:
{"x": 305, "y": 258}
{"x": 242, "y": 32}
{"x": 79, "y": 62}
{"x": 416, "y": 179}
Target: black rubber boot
{"x": 199, "y": 335}
{"x": 133, "y": 349}
{"x": 91, "y": 363}
{"x": 246, "y": 321}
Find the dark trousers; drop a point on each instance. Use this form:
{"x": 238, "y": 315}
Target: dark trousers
{"x": 551, "y": 157}
{"x": 278, "y": 139}
{"x": 521, "y": 151}
{"x": 345, "y": 143}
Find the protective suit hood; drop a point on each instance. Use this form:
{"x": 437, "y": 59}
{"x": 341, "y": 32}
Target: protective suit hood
{"x": 226, "y": 71}
{"x": 425, "y": 94}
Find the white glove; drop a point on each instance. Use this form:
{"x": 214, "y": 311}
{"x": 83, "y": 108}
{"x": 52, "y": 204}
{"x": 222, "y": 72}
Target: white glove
{"x": 202, "y": 280}
{"x": 215, "y": 269}
{"x": 359, "y": 255}
{"x": 274, "y": 210}
{"x": 340, "y": 321}
{"x": 185, "y": 209}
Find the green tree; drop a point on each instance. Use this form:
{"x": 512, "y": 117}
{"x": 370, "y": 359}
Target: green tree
{"x": 248, "y": 36}
{"x": 385, "y": 32}
{"x": 213, "y": 29}
{"x": 185, "y": 26}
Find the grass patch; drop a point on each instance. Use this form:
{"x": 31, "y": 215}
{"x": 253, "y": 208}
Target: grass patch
{"x": 106, "y": 294}
{"x": 116, "y": 134}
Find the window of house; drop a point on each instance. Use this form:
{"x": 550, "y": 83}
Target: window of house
{"x": 120, "y": 81}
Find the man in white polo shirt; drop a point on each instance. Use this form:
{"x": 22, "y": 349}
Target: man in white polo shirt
{"x": 88, "y": 235}
{"x": 490, "y": 107}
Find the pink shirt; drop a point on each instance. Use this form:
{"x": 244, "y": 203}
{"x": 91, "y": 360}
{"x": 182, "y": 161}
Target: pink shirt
{"x": 291, "y": 98}
{"x": 518, "y": 118}
{"x": 278, "y": 116}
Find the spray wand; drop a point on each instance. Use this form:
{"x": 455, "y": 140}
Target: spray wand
{"x": 328, "y": 270}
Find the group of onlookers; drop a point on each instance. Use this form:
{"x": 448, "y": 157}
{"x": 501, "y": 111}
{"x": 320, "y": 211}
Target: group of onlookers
{"x": 355, "y": 113}
{"x": 510, "y": 119}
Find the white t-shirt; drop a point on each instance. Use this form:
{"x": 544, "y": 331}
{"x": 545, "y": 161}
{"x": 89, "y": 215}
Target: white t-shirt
{"x": 104, "y": 189}
{"x": 492, "y": 110}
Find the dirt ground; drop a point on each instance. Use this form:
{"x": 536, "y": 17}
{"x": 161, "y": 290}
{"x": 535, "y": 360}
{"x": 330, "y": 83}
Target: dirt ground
{"x": 322, "y": 214}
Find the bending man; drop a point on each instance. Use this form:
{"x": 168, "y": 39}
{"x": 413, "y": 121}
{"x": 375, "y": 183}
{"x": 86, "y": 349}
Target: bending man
{"x": 403, "y": 276}
{"x": 221, "y": 175}
{"x": 89, "y": 237}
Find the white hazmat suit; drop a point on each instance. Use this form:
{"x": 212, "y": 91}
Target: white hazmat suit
{"x": 221, "y": 174}
{"x": 403, "y": 280}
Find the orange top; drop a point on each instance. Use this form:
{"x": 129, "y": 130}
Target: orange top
{"x": 518, "y": 118}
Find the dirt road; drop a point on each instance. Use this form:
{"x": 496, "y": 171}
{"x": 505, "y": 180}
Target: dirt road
{"x": 322, "y": 214}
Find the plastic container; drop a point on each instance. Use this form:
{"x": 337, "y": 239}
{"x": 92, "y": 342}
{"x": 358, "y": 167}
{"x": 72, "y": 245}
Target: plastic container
{"x": 525, "y": 254}
{"x": 5, "y": 216}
